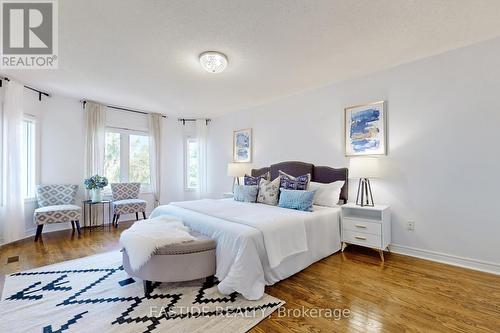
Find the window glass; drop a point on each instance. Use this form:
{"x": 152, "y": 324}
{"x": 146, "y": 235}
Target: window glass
{"x": 112, "y": 157}
{"x": 139, "y": 170}
{"x": 28, "y": 159}
{"x": 191, "y": 164}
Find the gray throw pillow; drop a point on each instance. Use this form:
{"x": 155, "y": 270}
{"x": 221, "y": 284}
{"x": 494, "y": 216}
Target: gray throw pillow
{"x": 246, "y": 193}
{"x": 269, "y": 192}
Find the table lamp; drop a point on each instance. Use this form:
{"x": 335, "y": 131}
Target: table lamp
{"x": 364, "y": 168}
{"x": 237, "y": 170}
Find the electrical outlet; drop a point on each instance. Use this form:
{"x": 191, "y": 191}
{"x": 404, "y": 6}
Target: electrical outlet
{"x": 410, "y": 225}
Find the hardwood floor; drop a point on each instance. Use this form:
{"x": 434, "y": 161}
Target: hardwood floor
{"x": 403, "y": 294}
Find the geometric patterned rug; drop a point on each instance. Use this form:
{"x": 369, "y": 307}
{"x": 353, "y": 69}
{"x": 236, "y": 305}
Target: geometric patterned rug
{"x": 94, "y": 294}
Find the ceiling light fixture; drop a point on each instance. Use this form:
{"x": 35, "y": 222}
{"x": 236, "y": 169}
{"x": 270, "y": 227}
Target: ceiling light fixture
{"x": 213, "y": 62}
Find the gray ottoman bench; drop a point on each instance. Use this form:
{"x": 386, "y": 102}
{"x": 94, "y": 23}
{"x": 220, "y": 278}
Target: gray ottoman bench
{"x": 177, "y": 262}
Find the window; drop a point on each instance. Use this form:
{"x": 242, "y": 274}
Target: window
{"x": 28, "y": 158}
{"x": 191, "y": 164}
{"x": 139, "y": 170}
{"x": 127, "y": 157}
{"x": 112, "y": 157}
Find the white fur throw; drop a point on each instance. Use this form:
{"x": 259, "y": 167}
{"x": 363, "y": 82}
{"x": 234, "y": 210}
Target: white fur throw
{"x": 144, "y": 237}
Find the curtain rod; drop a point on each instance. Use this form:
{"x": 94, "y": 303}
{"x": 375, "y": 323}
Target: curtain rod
{"x": 124, "y": 109}
{"x": 40, "y": 93}
{"x": 184, "y": 120}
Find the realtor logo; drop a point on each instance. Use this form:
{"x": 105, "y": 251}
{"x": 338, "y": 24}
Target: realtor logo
{"x": 29, "y": 34}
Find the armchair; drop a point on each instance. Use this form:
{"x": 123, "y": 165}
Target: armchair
{"x": 56, "y": 204}
{"x": 126, "y": 201}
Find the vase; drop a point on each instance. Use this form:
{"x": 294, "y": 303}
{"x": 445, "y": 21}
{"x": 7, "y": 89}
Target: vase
{"x": 95, "y": 195}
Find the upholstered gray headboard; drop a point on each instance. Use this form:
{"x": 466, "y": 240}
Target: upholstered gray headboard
{"x": 320, "y": 174}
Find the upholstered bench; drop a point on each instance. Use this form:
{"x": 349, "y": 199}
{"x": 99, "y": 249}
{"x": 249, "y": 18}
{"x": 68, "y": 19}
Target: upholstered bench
{"x": 177, "y": 262}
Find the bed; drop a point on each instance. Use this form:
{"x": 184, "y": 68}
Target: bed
{"x": 259, "y": 245}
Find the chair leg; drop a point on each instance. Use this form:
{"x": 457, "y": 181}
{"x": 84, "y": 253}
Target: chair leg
{"x": 136, "y": 216}
{"x": 73, "y": 225}
{"x": 39, "y": 229}
{"x": 144, "y": 215}
{"x": 148, "y": 287}
{"x": 113, "y": 222}
{"x": 117, "y": 218}
{"x": 78, "y": 227}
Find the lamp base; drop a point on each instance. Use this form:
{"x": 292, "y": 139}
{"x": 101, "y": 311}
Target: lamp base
{"x": 236, "y": 181}
{"x": 364, "y": 197}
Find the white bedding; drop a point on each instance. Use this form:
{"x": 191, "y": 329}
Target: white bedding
{"x": 283, "y": 230}
{"x": 242, "y": 258}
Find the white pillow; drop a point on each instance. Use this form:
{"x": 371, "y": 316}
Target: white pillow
{"x": 326, "y": 194}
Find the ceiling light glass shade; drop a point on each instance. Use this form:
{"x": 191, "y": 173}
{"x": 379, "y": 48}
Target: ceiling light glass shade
{"x": 213, "y": 62}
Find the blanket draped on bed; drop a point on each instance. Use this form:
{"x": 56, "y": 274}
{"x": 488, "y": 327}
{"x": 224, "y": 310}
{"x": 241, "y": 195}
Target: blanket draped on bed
{"x": 144, "y": 237}
{"x": 284, "y": 234}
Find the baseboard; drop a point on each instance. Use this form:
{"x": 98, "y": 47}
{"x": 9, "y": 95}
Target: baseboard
{"x": 475, "y": 264}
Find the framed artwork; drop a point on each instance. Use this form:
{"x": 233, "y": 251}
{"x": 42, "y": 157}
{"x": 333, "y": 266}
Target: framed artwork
{"x": 365, "y": 129}
{"x": 242, "y": 146}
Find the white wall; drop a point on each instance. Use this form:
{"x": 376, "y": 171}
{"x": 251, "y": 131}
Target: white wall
{"x": 442, "y": 163}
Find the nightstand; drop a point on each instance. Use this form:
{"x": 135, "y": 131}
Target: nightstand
{"x": 366, "y": 226}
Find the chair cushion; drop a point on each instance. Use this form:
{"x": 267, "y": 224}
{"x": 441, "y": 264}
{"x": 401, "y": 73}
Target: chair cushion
{"x": 57, "y": 214}
{"x": 129, "y": 206}
{"x": 200, "y": 244}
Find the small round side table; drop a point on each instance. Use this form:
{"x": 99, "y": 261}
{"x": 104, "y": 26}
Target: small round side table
{"x": 90, "y": 204}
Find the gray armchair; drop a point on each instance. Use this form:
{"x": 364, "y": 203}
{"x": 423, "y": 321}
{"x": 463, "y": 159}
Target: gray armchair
{"x": 56, "y": 204}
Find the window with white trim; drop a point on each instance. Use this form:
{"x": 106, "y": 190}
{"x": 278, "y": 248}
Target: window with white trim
{"x": 28, "y": 158}
{"x": 126, "y": 157}
{"x": 191, "y": 164}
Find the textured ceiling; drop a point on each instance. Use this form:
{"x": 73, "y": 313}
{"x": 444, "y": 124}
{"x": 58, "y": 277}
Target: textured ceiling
{"x": 144, "y": 53}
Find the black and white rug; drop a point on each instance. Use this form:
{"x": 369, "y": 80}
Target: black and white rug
{"x": 95, "y": 294}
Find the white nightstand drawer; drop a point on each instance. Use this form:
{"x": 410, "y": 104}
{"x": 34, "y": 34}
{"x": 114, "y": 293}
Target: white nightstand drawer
{"x": 362, "y": 226}
{"x": 361, "y": 238}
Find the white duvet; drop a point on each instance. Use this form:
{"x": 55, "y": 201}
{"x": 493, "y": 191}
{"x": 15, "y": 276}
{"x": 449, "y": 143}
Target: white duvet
{"x": 283, "y": 230}
{"x": 247, "y": 258}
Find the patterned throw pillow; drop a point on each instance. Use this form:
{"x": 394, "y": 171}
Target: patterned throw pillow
{"x": 269, "y": 192}
{"x": 249, "y": 180}
{"x": 297, "y": 199}
{"x": 294, "y": 183}
{"x": 246, "y": 193}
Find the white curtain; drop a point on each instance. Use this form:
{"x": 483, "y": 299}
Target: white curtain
{"x": 95, "y": 122}
{"x": 201, "y": 136}
{"x": 155, "y": 134}
{"x": 12, "y": 205}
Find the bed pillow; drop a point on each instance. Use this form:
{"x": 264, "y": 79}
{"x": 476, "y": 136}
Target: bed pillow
{"x": 249, "y": 180}
{"x": 326, "y": 194}
{"x": 246, "y": 193}
{"x": 297, "y": 199}
{"x": 294, "y": 183}
{"x": 269, "y": 192}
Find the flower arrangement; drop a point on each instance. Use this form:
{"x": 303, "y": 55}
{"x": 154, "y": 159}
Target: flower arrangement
{"x": 95, "y": 182}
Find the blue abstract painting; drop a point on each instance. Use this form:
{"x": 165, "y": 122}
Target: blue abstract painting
{"x": 365, "y": 129}
{"x": 242, "y": 145}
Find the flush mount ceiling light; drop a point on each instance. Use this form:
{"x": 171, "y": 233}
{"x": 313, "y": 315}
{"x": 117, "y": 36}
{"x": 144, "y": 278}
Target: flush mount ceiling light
{"x": 213, "y": 62}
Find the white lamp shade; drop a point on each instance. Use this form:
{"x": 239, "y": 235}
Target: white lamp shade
{"x": 364, "y": 167}
{"x": 238, "y": 169}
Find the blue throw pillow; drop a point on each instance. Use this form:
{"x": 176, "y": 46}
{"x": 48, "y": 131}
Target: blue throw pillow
{"x": 246, "y": 193}
{"x": 249, "y": 180}
{"x": 297, "y": 199}
{"x": 294, "y": 183}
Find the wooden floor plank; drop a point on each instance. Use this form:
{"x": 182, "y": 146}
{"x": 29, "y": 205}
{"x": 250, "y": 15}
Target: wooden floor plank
{"x": 403, "y": 294}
